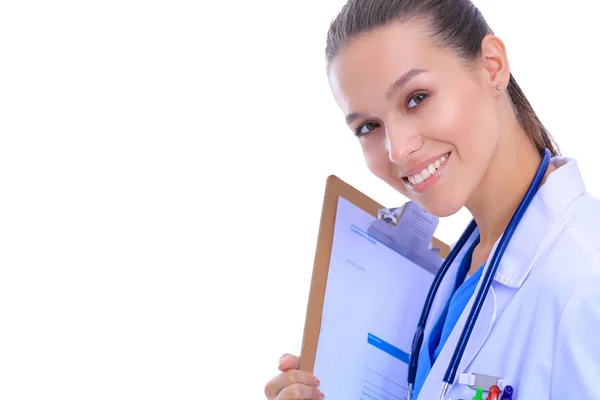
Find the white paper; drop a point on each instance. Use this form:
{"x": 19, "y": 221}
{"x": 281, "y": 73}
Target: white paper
{"x": 373, "y": 301}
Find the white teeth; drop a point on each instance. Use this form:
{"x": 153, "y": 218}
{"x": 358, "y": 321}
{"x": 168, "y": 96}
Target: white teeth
{"x": 427, "y": 172}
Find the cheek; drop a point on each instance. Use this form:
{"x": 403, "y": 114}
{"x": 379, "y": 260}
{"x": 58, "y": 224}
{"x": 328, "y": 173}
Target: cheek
{"x": 377, "y": 157}
{"x": 458, "y": 121}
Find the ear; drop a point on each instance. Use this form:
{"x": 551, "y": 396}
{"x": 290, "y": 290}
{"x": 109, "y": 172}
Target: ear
{"x": 495, "y": 62}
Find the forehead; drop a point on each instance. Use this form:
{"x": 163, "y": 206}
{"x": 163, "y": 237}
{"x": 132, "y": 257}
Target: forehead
{"x": 370, "y": 63}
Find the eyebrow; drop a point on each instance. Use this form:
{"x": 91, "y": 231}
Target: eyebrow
{"x": 396, "y": 86}
{"x": 402, "y": 81}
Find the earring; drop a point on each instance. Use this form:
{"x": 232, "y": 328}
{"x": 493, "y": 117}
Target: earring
{"x": 499, "y": 87}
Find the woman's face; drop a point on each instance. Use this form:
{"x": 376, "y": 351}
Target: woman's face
{"x": 426, "y": 122}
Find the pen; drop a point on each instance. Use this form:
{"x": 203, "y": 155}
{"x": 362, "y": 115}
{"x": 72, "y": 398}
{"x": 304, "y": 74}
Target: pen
{"x": 507, "y": 394}
{"x": 494, "y": 392}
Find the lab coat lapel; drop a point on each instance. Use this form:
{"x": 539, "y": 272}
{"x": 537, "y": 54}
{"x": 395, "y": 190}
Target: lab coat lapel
{"x": 433, "y": 384}
{"x": 440, "y": 300}
{"x": 480, "y": 332}
{"x": 443, "y": 293}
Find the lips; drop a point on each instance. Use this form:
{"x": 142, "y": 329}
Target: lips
{"x": 426, "y": 170}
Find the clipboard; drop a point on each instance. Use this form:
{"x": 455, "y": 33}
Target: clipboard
{"x": 384, "y": 224}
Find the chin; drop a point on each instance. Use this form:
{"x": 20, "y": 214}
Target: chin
{"x": 442, "y": 208}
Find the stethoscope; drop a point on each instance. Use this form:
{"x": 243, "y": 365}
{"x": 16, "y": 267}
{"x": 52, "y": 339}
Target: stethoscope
{"x": 483, "y": 289}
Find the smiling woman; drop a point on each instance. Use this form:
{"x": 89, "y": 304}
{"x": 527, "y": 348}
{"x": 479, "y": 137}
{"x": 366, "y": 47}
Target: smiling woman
{"x": 412, "y": 98}
{"x": 426, "y": 87}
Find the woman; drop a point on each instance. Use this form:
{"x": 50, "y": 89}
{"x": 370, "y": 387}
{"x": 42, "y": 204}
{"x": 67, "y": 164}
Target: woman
{"x": 427, "y": 89}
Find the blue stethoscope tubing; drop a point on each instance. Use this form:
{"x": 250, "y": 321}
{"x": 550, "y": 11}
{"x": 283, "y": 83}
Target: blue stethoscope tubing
{"x": 483, "y": 289}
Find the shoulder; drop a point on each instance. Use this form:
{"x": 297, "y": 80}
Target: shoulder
{"x": 562, "y": 229}
{"x": 577, "y": 240}
{"x": 576, "y": 237}
{"x": 583, "y": 219}
{"x": 567, "y": 264}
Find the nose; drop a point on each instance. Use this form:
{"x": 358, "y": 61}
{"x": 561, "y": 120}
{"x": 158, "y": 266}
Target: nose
{"x": 401, "y": 141}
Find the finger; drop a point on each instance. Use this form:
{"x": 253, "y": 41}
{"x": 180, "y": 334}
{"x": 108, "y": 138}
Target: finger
{"x": 288, "y": 361}
{"x": 288, "y": 378}
{"x": 298, "y": 391}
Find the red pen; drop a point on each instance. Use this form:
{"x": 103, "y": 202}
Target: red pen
{"x": 494, "y": 393}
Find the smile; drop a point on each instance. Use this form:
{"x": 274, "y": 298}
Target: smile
{"x": 432, "y": 170}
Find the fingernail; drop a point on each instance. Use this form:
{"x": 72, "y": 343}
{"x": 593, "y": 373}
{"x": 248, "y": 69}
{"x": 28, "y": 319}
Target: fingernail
{"x": 281, "y": 361}
{"x": 317, "y": 381}
{"x": 322, "y": 395}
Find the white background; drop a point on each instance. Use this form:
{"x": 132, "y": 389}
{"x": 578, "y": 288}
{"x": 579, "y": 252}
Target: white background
{"x": 162, "y": 166}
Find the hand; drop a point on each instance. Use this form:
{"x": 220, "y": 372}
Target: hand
{"x": 292, "y": 384}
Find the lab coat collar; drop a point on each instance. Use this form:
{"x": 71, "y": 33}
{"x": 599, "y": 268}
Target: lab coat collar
{"x": 561, "y": 188}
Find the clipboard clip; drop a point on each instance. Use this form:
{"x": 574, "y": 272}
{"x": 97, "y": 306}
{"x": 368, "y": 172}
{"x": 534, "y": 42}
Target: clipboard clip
{"x": 390, "y": 215}
{"x": 409, "y": 230}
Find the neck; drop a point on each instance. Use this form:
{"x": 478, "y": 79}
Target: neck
{"x": 503, "y": 186}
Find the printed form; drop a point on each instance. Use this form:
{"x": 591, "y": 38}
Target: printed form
{"x": 372, "y": 304}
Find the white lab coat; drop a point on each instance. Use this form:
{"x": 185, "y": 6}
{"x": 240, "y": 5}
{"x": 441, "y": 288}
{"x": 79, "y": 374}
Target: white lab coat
{"x": 539, "y": 328}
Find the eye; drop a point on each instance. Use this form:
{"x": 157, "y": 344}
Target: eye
{"x": 366, "y": 128}
{"x": 417, "y": 99}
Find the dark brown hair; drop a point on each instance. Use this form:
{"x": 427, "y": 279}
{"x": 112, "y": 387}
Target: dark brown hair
{"x": 454, "y": 24}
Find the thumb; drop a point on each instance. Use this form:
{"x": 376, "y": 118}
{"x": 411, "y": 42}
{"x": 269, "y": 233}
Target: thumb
{"x": 288, "y": 361}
